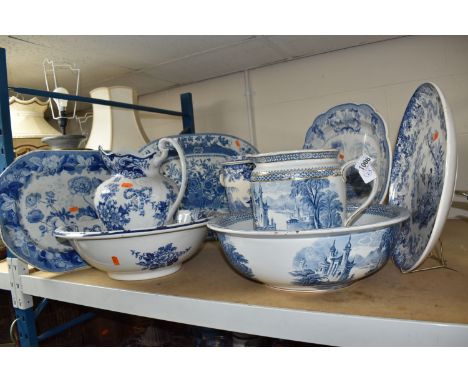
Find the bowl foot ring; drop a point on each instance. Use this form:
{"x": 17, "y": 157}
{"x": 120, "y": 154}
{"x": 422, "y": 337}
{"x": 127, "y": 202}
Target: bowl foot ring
{"x": 144, "y": 275}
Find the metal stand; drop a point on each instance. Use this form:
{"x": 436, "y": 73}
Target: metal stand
{"x": 436, "y": 254}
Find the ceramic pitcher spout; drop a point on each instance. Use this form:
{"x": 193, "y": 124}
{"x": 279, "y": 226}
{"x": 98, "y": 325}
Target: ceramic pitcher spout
{"x": 128, "y": 164}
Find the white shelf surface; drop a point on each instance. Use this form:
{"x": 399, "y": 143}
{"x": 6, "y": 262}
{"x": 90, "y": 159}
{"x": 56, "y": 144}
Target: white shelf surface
{"x": 387, "y": 309}
{"x": 4, "y": 280}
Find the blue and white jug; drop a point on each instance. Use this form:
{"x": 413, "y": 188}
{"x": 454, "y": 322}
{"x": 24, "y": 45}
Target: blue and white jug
{"x": 137, "y": 196}
{"x": 302, "y": 190}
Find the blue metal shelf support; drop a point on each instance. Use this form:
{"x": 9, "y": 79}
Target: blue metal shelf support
{"x": 6, "y": 140}
{"x": 188, "y": 120}
{"x": 26, "y": 322}
{"x": 71, "y": 97}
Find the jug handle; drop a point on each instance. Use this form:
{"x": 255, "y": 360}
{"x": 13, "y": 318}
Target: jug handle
{"x": 375, "y": 183}
{"x": 163, "y": 147}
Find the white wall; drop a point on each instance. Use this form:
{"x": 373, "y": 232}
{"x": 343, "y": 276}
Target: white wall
{"x": 288, "y": 96}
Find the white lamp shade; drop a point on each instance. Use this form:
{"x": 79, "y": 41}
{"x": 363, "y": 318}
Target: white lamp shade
{"x": 27, "y": 119}
{"x": 114, "y": 128}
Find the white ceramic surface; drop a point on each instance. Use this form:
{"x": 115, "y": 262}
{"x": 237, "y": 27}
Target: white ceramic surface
{"x": 423, "y": 174}
{"x": 316, "y": 260}
{"x": 140, "y": 254}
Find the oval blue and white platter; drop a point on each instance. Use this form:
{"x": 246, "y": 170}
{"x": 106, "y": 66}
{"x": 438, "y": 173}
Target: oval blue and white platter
{"x": 41, "y": 191}
{"x": 354, "y": 130}
{"x": 423, "y": 174}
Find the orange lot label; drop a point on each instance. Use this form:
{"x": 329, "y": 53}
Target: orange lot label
{"x": 115, "y": 260}
{"x": 73, "y": 209}
{"x": 435, "y": 137}
{"x": 126, "y": 185}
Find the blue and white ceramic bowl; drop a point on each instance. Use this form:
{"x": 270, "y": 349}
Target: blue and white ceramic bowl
{"x": 139, "y": 254}
{"x": 309, "y": 261}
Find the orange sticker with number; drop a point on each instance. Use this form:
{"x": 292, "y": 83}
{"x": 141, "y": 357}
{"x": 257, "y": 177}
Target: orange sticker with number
{"x": 435, "y": 137}
{"x": 126, "y": 185}
{"x": 115, "y": 260}
{"x": 73, "y": 209}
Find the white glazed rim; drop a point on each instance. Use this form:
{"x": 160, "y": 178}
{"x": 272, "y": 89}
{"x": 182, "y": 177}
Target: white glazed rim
{"x": 274, "y": 153}
{"x": 403, "y": 214}
{"x": 240, "y": 161}
{"x": 450, "y": 177}
{"x": 71, "y": 235}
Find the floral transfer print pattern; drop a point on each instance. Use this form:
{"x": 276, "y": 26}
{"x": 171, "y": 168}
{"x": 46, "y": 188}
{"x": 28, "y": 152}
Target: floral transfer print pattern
{"x": 226, "y": 145}
{"x": 130, "y": 166}
{"x": 42, "y": 191}
{"x": 204, "y": 153}
{"x": 117, "y": 214}
{"x": 80, "y": 185}
{"x": 164, "y": 257}
{"x": 204, "y": 194}
{"x": 418, "y": 172}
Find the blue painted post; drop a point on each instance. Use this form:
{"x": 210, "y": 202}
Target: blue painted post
{"x": 6, "y": 140}
{"x": 26, "y": 326}
{"x": 188, "y": 120}
{"x": 26, "y": 323}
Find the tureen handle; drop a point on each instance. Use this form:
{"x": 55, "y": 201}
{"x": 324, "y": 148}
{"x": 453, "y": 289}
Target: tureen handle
{"x": 163, "y": 146}
{"x": 375, "y": 184}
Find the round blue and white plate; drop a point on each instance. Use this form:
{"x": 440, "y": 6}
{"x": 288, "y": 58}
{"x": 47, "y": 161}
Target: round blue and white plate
{"x": 354, "y": 130}
{"x": 423, "y": 174}
{"x": 205, "y": 196}
{"x": 41, "y": 191}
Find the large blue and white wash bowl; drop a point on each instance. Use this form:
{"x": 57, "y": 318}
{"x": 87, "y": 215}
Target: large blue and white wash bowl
{"x": 139, "y": 254}
{"x": 315, "y": 260}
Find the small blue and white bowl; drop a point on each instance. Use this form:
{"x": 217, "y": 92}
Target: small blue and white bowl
{"x": 138, "y": 254}
{"x": 314, "y": 260}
